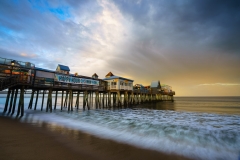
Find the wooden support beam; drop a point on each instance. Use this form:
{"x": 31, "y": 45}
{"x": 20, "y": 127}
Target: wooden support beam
{"x": 91, "y": 98}
{"x": 7, "y": 100}
{"x": 119, "y": 98}
{"x": 103, "y": 98}
{"x": 131, "y": 98}
{"x": 96, "y": 97}
{"x": 109, "y": 99}
{"x": 114, "y": 99}
{"x": 66, "y": 98}
{"x": 21, "y": 103}
{"x": 141, "y": 98}
{"x": 77, "y": 100}
{"x": 70, "y": 100}
{"x": 49, "y": 101}
{"x": 85, "y": 100}
{"x": 99, "y": 100}
{"x": 15, "y": 100}
{"x": 42, "y": 100}
{"x": 56, "y": 95}
{"x": 135, "y": 98}
{"x": 11, "y": 102}
{"x": 36, "y": 100}
{"x": 31, "y": 100}
{"x": 62, "y": 100}
{"x": 125, "y": 98}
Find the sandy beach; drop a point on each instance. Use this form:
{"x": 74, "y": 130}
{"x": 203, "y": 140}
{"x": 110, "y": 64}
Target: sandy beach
{"x": 24, "y": 141}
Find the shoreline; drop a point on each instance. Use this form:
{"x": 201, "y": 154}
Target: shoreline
{"x": 26, "y": 141}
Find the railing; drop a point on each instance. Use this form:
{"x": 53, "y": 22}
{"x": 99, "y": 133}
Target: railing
{"x": 120, "y": 88}
{"x": 125, "y": 87}
{"x": 12, "y": 62}
{"x": 113, "y": 87}
{"x": 14, "y": 80}
{"x": 47, "y": 83}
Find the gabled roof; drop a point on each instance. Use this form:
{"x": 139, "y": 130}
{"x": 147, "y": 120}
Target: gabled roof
{"x": 117, "y": 77}
{"x": 63, "y": 68}
{"x": 109, "y": 74}
{"x": 95, "y": 75}
{"x": 155, "y": 84}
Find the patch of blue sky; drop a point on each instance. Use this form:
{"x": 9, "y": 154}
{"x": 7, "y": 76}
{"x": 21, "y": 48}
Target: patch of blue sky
{"x": 6, "y": 31}
{"x": 61, "y": 11}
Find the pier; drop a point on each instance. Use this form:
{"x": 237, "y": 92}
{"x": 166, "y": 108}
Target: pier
{"x": 20, "y": 77}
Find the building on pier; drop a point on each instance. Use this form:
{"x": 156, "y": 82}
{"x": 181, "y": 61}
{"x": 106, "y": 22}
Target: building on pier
{"x": 141, "y": 88}
{"x": 62, "y": 69}
{"x": 166, "y": 88}
{"x": 118, "y": 83}
{"x": 155, "y": 86}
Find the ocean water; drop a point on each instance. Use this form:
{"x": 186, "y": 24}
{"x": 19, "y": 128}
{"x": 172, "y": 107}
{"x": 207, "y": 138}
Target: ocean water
{"x": 195, "y": 127}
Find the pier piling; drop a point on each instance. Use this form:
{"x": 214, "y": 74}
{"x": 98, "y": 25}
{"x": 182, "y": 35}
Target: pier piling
{"x": 31, "y": 100}
{"x": 14, "y": 103}
{"x": 35, "y": 107}
{"x": 55, "y": 100}
{"x": 11, "y": 102}
{"x": 7, "y": 100}
{"x": 21, "y": 103}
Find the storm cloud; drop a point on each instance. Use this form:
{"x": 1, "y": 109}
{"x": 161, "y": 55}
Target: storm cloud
{"x": 182, "y": 43}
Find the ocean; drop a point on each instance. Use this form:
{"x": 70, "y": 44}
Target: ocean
{"x": 196, "y": 127}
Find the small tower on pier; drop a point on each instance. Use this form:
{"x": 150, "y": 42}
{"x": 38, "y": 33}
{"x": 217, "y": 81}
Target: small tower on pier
{"x": 95, "y": 76}
{"x": 155, "y": 86}
{"x": 62, "y": 69}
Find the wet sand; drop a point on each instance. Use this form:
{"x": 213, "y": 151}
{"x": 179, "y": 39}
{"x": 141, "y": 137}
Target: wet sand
{"x": 44, "y": 141}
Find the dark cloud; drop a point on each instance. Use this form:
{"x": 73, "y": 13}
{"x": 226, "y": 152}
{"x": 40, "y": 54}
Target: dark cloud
{"x": 213, "y": 24}
{"x": 182, "y": 43}
{"x": 8, "y": 54}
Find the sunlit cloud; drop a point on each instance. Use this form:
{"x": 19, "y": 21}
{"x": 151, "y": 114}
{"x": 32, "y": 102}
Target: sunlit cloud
{"x": 28, "y": 55}
{"x": 141, "y": 40}
{"x": 219, "y": 84}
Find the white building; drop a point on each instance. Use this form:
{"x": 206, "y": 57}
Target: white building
{"x": 118, "y": 83}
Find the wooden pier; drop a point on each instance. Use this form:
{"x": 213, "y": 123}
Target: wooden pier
{"x": 19, "y": 77}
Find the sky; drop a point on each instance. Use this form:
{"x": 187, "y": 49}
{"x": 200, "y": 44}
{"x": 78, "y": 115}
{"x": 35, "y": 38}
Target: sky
{"x": 193, "y": 46}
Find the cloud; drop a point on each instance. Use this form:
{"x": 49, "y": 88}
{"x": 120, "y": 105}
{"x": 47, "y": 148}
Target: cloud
{"x": 28, "y": 55}
{"x": 182, "y": 44}
{"x": 219, "y": 84}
